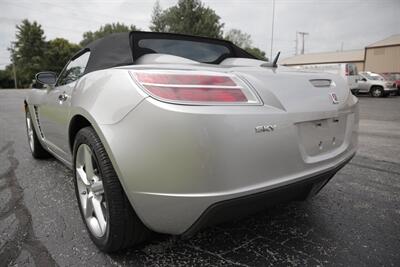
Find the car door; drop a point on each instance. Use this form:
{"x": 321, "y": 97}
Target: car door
{"x": 54, "y": 112}
{"x": 363, "y": 84}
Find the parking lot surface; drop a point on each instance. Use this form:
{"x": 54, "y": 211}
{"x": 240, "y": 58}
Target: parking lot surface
{"x": 354, "y": 221}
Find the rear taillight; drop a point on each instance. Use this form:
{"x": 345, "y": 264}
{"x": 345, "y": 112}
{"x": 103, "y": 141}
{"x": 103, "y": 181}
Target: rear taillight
{"x": 195, "y": 87}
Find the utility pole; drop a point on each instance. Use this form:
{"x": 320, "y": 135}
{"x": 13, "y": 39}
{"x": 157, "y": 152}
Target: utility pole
{"x": 14, "y": 68}
{"x": 302, "y": 38}
{"x": 297, "y": 44}
{"x": 272, "y": 30}
{"x": 15, "y": 75}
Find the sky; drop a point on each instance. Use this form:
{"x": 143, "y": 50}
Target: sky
{"x": 331, "y": 24}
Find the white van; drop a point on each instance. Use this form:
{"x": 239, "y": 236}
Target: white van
{"x": 348, "y": 71}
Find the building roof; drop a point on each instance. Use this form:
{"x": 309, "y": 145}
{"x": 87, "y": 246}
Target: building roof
{"x": 389, "y": 41}
{"x": 326, "y": 57}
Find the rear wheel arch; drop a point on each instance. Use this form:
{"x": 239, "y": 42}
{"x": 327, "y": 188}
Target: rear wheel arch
{"x": 375, "y": 86}
{"x": 123, "y": 227}
{"x": 77, "y": 122}
{"x": 80, "y": 121}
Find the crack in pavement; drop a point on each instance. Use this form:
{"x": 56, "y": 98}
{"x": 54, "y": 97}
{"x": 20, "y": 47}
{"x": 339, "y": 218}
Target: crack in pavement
{"x": 288, "y": 248}
{"x": 25, "y": 237}
{"x": 221, "y": 257}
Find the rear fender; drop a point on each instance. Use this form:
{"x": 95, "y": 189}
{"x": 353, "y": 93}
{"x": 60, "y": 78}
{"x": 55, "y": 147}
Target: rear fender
{"x": 107, "y": 95}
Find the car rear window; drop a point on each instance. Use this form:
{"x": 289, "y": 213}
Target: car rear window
{"x": 198, "y": 51}
{"x": 395, "y": 76}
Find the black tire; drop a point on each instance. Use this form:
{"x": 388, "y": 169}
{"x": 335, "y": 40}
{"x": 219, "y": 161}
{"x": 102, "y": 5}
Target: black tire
{"x": 354, "y": 92}
{"x": 38, "y": 152}
{"x": 124, "y": 229}
{"x": 377, "y": 91}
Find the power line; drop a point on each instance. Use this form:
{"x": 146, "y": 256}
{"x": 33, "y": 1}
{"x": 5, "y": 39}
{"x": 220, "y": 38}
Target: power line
{"x": 302, "y": 38}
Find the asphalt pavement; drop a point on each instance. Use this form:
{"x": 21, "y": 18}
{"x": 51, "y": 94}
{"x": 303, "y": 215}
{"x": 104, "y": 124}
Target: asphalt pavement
{"x": 354, "y": 221}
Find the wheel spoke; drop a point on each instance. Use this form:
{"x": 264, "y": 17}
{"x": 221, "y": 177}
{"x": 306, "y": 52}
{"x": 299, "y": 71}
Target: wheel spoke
{"x": 88, "y": 163}
{"x": 30, "y": 132}
{"x": 89, "y": 207}
{"x": 82, "y": 175}
{"x": 98, "y": 211}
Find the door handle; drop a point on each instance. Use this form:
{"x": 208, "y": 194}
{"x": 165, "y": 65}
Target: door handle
{"x": 62, "y": 97}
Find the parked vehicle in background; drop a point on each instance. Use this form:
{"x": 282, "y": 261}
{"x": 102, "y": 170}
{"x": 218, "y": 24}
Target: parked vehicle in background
{"x": 375, "y": 85}
{"x": 348, "y": 71}
{"x": 393, "y": 76}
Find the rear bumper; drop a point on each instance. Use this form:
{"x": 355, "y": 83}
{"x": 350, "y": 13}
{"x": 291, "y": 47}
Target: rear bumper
{"x": 176, "y": 161}
{"x": 242, "y": 206}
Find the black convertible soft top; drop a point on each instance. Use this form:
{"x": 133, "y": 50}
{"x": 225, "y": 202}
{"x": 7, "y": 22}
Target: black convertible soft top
{"x": 119, "y": 49}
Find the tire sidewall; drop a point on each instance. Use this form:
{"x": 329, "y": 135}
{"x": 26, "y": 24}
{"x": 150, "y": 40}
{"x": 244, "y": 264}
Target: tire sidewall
{"x": 373, "y": 89}
{"x": 83, "y": 138}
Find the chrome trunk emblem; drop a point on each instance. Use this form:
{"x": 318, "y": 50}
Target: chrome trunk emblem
{"x": 265, "y": 128}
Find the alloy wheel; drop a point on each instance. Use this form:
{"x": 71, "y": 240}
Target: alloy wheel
{"x": 377, "y": 92}
{"x": 91, "y": 191}
{"x": 30, "y": 132}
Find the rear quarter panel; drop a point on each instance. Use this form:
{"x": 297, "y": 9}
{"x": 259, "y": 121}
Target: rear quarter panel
{"x": 105, "y": 96}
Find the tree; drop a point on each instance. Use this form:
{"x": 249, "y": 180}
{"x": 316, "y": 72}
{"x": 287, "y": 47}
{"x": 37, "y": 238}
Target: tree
{"x": 187, "y": 17}
{"x": 157, "y": 20}
{"x": 239, "y": 38}
{"x": 57, "y": 54}
{"x": 256, "y": 52}
{"x": 244, "y": 41}
{"x": 105, "y": 30}
{"x": 27, "y": 51}
{"x": 6, "y": 78}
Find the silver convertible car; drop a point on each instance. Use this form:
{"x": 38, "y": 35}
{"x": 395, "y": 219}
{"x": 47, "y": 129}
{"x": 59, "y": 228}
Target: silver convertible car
{"x": 170, "y": 133}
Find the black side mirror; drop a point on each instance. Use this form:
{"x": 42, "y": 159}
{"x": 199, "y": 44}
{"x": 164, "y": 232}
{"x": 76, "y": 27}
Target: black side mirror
{"x": 46, "y": 77}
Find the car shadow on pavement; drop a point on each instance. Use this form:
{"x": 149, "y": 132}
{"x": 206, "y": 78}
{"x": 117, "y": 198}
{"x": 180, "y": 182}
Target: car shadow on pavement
{"x": 268, "y": 238}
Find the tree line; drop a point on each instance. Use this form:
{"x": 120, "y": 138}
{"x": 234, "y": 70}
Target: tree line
{"x": 31, "y": 52}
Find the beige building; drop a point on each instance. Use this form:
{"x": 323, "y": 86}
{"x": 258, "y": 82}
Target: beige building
{"x": 382, "y": 56}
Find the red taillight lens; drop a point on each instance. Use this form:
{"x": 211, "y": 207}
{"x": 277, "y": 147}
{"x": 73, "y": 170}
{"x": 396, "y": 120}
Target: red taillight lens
{"x": 198, "y": 94}
{"x": 195, "y": 87}
{"x": 158, "y": 78}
